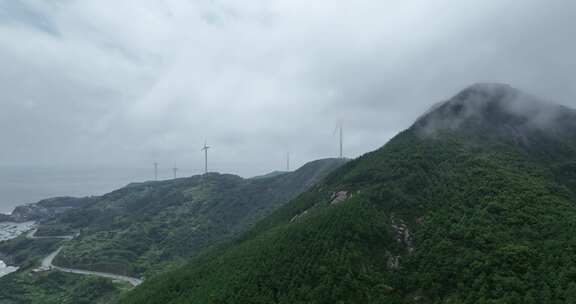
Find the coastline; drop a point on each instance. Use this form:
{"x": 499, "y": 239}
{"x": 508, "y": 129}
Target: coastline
{"x": 4, "y": 269}
{"x": 8, "y": 231}
{"x": 11, "y": 230}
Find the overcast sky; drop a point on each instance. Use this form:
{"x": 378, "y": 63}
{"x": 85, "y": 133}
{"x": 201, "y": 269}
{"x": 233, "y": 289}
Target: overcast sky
{"x": 124, "y": 83}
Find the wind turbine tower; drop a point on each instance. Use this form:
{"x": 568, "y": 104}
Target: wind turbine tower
{"x": 205, "y": 149}
{"x": 175, "y": 170}
{"x": 340, "y": 130}
{"x": 287, "y": 161}
{"x": 155, "y": 171}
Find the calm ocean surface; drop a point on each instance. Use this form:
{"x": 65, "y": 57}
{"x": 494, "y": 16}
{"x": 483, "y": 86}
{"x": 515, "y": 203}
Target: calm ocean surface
{"x": 20, "y": 186}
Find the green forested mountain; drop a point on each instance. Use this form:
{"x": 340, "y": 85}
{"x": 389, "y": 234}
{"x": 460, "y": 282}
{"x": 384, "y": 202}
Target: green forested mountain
{"x": 474, "y": 203}
{"x": 143, "y": 226}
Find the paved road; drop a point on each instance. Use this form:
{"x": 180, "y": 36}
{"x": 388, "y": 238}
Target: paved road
{"x": 32, "y": 235}
{"x": 47, "y": 263}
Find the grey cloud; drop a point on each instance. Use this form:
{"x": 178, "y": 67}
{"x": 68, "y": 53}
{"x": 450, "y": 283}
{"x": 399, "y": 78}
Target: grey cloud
{"x": 17, "y": 13}
{"x": 126, "y": 83}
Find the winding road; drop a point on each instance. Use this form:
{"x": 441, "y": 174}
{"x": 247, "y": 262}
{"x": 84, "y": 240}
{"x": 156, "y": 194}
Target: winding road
{"x": 32, "y": 235}
{"x": 47, "y": 262}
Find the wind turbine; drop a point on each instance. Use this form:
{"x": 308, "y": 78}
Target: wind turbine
{"x": 205, "y": 149}
{"x": 175, "y": 170}
{"x": 340, "y": 129}
{"x": 287, "y": 161}
{"x": 155, "y": 171}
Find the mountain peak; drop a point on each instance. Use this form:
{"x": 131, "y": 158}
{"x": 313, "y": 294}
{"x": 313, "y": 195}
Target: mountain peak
{"x": 495, "y": 106}
{"x": 490, "y": 88}
{"x": 490, "y": 93}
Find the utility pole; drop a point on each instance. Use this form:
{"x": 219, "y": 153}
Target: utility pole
{"x": 155, "y": 171}
{"x": 205, "y": 149}
{"x": 287, "y": 161}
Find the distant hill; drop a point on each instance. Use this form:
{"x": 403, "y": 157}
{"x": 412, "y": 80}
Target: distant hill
{"x": 46, "y": 208}
{"x": 474, "y": 203}
{"x": 141, "y": 228}
{"x": 271, "y": 174}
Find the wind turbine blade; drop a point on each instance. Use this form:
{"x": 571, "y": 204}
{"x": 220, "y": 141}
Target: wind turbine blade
{"x": 338, "y": 126}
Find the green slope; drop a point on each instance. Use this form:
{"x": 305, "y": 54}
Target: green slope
{"x": 144, "y": 228}
{"x": 475, "y": 203}
{"x": 141, "y": 229}
{"x": 57, "y": 288}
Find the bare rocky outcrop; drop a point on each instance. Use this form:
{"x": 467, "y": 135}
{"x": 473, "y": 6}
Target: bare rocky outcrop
{"x": 338, "y": 197}
{"x": 402, "y": 233}
{"x": 393, "y": 261}
{"x": 401, "y": 236}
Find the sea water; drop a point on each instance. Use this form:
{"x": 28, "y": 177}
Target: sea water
{"x": 9, "y": 230}
{"x": 20, "y": 186}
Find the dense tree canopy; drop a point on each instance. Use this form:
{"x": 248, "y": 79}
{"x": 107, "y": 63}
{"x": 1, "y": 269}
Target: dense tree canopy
{"x": 480, "y": 209}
